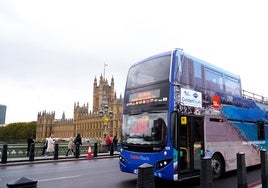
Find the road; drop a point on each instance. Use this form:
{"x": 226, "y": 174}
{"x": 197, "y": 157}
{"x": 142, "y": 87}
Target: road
{"x": 97, "y": 173}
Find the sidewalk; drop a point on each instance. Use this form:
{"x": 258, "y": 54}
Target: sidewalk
{"x": 61, "y": 158}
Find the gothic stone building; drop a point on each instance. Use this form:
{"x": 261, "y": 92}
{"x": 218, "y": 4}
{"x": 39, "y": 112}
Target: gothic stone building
{"x": 87, "y": 123}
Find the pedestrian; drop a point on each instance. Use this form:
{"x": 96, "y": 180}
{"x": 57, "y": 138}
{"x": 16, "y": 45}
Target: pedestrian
{"x": 50, "y": 145}
{"x": 108, "y": 141}
{"x": 70, "y": 147}
{"x": 30, "y": 141}
{"x": 44, "y": 146}
{"x": 78, "y": 143}
{"x": 115, "y": 142}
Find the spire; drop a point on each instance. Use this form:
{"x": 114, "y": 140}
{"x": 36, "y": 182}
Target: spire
{"x": 95, "y": 81}
{"x": 112, "y": 81}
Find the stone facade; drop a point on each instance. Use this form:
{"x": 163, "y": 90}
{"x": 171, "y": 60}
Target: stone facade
{"x": 85, "y": 122}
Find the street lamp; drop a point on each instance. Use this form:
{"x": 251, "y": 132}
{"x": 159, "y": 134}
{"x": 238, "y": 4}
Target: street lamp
{"x": 105, "y": 115}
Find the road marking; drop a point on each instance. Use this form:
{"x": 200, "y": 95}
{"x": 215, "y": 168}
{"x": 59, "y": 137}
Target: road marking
{"x": 60, "y": 178}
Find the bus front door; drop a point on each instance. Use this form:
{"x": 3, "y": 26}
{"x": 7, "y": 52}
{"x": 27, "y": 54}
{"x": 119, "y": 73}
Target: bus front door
{"x": 191, "y": 139}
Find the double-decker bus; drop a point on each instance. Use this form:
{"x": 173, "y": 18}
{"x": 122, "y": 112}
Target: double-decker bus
{"x": 178, "y": 109}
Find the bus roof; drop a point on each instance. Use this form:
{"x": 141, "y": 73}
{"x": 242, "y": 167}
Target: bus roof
{"x": 152, "y": 57}
{"x": 206, "y": 64}
{"x": 211, "y": 66}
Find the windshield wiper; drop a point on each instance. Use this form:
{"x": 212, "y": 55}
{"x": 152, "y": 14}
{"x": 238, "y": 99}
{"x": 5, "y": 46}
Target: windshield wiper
{"x": 136, "y": 136}
{"x": 148, "y": 138}
{"x": 157, "y": 111}
{"x": 136, "y": 113}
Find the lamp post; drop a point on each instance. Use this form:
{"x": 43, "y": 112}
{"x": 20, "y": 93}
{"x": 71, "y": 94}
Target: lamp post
{"x": 105, "y": 115}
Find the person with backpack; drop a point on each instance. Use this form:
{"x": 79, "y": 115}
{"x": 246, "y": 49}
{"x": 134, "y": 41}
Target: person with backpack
{"x": 115, "y": 142}
{"x": 78, "y": 143}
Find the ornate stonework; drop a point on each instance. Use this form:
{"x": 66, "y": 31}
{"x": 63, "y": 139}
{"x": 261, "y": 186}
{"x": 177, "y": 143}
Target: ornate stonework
{"x": 85, "y": 122}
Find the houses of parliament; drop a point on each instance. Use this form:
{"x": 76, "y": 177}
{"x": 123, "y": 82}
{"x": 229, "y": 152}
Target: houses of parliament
{"x": 87, "y": 123}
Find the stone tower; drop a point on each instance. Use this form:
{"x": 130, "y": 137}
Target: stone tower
{"x": 85, "y": 122}
{"x": 102, "y": 93}
{"x": 45, "y": 120}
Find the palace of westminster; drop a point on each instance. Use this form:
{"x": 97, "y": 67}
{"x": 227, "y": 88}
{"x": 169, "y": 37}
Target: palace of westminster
{"x": 87, "y": 123}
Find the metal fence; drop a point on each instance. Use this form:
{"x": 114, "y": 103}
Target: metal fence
{"x": 20, "y": 150}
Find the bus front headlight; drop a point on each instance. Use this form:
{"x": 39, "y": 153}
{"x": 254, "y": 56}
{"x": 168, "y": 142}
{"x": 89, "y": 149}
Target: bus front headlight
{"x": 122, "y": 159}
{"x": 161, "y": 164}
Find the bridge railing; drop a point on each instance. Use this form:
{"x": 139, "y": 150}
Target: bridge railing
{"x": 20, "y": 150}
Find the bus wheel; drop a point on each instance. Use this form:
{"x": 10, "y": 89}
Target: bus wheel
{"x": 217, "y": 166}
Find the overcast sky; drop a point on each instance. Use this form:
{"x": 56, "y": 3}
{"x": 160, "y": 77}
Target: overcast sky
{"x": 51, "y": 51}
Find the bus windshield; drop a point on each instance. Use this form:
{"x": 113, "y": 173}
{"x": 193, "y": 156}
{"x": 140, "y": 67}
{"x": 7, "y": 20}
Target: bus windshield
{"x": 145, "y": 128}
{"x": 148, "y": 72}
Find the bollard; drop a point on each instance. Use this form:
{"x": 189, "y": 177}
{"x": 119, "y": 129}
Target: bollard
{"x": 56, "y": 151}
{"x": 31, "y": 152}
{"x": 4, "y": 154}
{"x": 145, "y": 176}
{"x": 95, "y": 154}
{"x": 112, "y": 149}
{"x": 241, "y": 170}
{"x": 264, "y": 170}
{"x": 206, "y": 176}
{"x": 77, "y": 150}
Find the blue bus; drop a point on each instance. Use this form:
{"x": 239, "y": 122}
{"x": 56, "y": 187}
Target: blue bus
{"x": 178, "y": 109}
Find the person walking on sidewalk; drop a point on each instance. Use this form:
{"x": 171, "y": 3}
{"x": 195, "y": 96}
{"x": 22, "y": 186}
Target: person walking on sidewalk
{"x": 108, "y": 141}
{"x": 78, "y": 143}
{"x": 44, "y": 146}
{"x": 115, "y": 142}
{"x": 70, "y": 147}
{"x": 30, "y": 141}
{"x": 50, "y": 145}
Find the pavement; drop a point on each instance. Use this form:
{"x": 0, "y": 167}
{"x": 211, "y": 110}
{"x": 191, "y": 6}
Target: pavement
{"x": 50, "y": 158}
